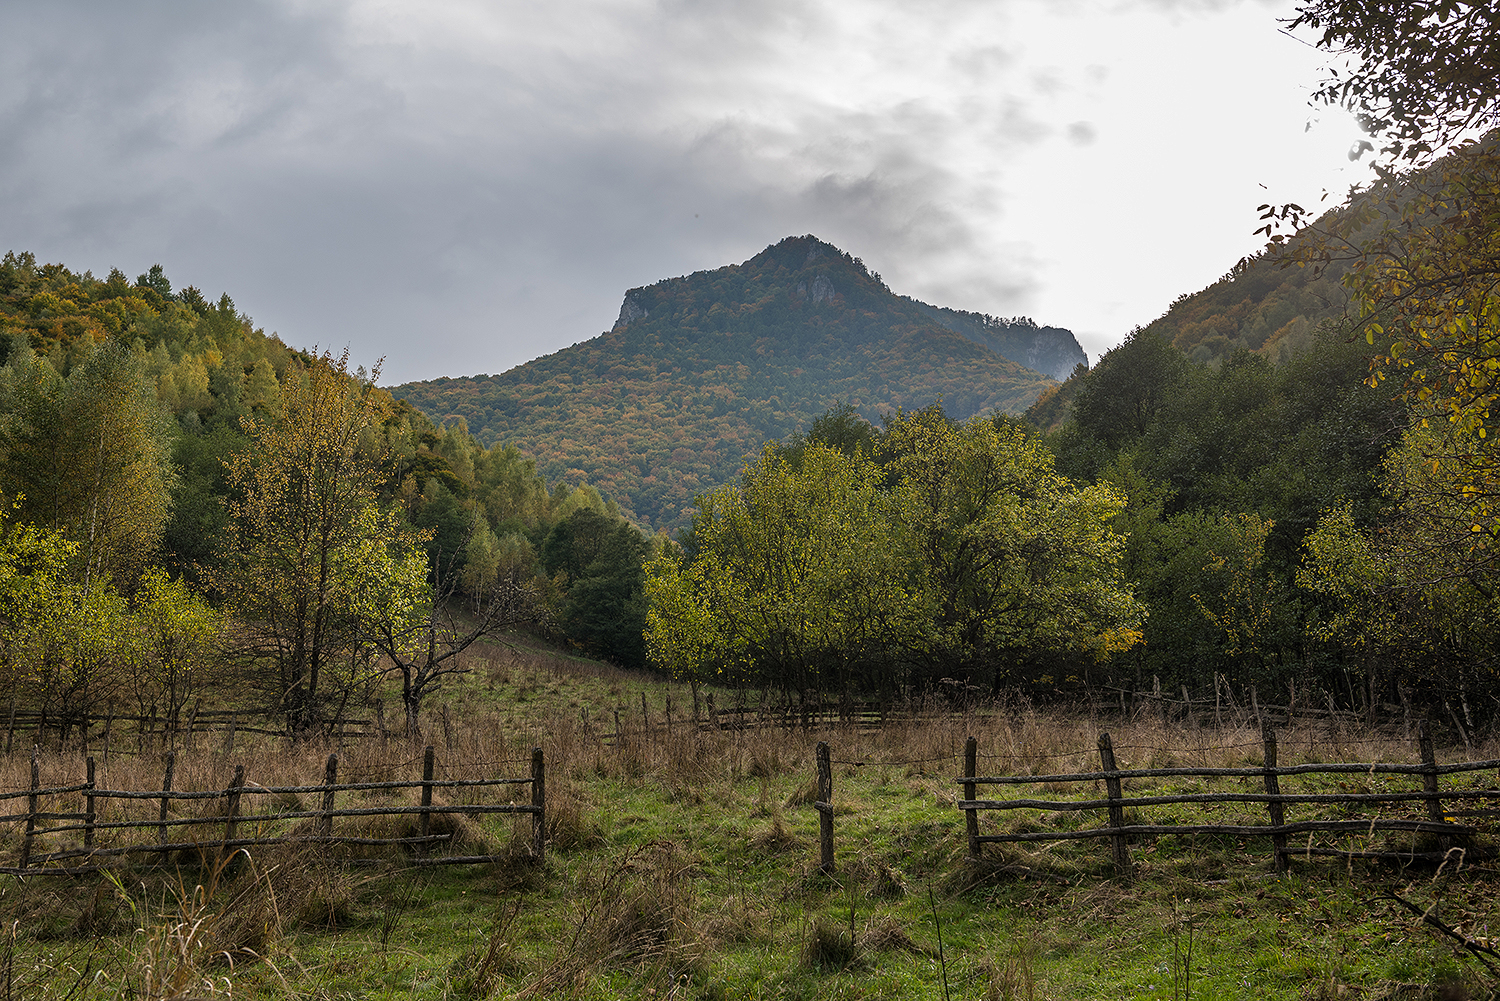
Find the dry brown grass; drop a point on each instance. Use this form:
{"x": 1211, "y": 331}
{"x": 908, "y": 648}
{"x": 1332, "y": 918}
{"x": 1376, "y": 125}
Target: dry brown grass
{"x": 922, "y": 746}
{"x": 636, "y": 910}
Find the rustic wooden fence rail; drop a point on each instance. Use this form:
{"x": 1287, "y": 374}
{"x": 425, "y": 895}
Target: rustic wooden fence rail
{"x": 289, "y": 826}
{"x": 1437, "y": 822}
{"x": 1223, "y": 705}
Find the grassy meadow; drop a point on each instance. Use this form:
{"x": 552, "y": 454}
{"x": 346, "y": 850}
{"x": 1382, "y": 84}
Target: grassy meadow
{"x": 683, "y": 864}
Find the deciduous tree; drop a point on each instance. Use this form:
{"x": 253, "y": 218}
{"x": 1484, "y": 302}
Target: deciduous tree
{"x": 306, "y": 536}
{"x": 90, "y": 455}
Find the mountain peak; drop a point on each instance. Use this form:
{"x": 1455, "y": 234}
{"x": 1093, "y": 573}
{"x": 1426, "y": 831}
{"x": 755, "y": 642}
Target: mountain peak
{"x": 698, "y": 371}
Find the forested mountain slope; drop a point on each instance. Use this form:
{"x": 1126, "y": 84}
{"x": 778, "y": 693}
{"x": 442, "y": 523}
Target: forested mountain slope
{"x": 700, "y": 370}
{"x": 1266, "y": 305}
{"x": 191, "y": 509}
{"x": 1271, "y": 304}
{"x": 1305, "y": 449}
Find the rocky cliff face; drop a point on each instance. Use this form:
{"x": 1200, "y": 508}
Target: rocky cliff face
{"x": 1052, "y": 351}
{"x": 629, "y": 312}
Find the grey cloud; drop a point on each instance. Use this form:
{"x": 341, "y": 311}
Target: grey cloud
{"x": 1198, "y": 6}
{"x": 461, "y": 201}
{"x": 1082, "y": 133}
{"x": 978, "y": 63}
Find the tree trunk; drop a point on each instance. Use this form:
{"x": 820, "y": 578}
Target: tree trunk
{"x": 411, "y": 704}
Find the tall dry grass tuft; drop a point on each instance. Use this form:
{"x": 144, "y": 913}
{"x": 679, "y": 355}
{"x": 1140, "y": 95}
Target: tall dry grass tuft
{"x": 188, "y": 948}
{"x": 478, "y": 972}
{"x": 1011, "y": 979}
{"x": 636, "y": 910}
{"x": 828, "y": 946}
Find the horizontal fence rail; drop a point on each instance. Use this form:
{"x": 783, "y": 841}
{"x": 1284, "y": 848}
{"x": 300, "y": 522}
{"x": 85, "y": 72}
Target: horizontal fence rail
{"x": 1438, "y": 822}
{"x": 298, "y": 825}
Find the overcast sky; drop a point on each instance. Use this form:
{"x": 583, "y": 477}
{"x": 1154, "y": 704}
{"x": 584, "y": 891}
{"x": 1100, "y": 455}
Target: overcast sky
{"x": 462, "y": 186}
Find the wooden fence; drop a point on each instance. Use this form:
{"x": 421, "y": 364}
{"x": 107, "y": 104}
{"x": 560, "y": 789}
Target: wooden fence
{"x": 1437, "y": 823}
{"x": 100, "y": 838}
{"x": 125, "y": 733}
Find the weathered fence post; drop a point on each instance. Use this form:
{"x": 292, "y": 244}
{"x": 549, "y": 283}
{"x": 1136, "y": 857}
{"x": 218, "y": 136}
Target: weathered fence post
{"x": 88, "y": 810}
{"x": 824, "y": 806}
{"x": 425, "y": 823}
{"x": 166, "y": 787}
{"x": 538, "y": 800}
{"x": 232, "y": 814}
{"x": 1273, "y": 788}
{"x": 447, "y": 728}
{"x": 971, "y": 816}
{"x": 645, "y": 730}
{"x": 1112, "y": 784}
{"x": 330, "y": 779}
{"x": 1430, "y": 783}
{"x": 31, "y": 808}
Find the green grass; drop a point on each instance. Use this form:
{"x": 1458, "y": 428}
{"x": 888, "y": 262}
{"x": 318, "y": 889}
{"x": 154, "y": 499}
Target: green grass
{"x": 686, "y": 867}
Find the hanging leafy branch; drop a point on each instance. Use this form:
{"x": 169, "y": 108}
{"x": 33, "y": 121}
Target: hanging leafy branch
{"x": 1427, "y": 72}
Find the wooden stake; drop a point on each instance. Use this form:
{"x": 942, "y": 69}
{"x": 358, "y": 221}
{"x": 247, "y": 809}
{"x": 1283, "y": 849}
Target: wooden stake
{"x": 1123, "y": 869}
{"x": 971, "y": 817}
{"x": 426, "y": 816}
{"x": 31, "y": 808}
{"x": 330, "y": 779}
{"x": 824, "y": 806}
{"x": 166, "y": 787}
{"x": 232, "y": 814}
{"x": 1430, "y": 784}
{"x": 538, "y": 800}
{"x": 1273, "y": 788}
{"x": 88, "y": 809}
